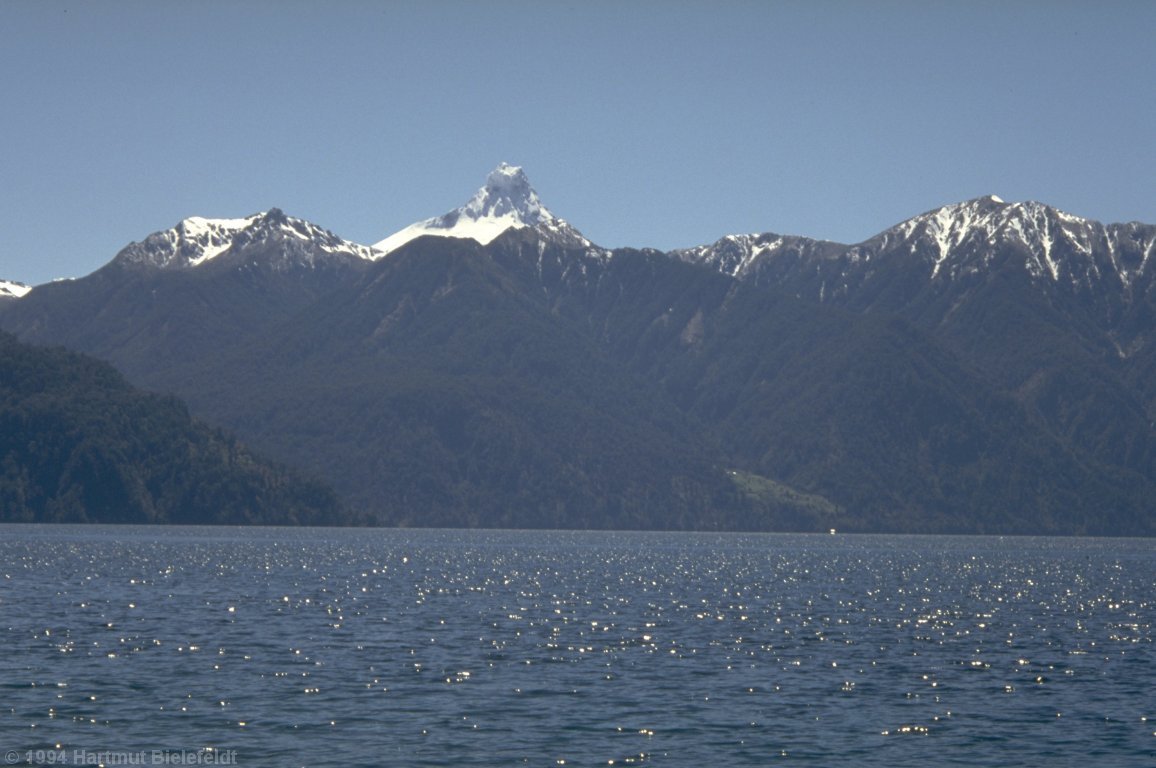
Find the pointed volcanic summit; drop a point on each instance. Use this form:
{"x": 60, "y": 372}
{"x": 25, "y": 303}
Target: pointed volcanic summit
{"x": 506, "y": 201}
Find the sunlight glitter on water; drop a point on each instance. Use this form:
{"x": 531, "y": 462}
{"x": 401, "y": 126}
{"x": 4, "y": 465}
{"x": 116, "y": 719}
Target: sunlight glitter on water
{"x": 482, "y": 648}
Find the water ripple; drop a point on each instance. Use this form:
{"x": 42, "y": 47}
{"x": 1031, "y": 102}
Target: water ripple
{"x": 326, "y": 647}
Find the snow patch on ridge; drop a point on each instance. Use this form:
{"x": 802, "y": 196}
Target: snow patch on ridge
{"x": 214, "y": 235}
{"x": 10, "y": 289}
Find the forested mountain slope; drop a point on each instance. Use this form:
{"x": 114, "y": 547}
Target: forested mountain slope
{"x": 78, "y": 444}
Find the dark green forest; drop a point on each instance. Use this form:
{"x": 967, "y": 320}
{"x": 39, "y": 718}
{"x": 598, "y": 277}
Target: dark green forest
{"x": 78, "y": 444}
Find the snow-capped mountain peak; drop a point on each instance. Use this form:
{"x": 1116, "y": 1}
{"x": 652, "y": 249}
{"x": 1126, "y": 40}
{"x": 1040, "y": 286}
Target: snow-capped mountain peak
{"x": 1052, "y": 241}
{"x": 198, "y": 240}
{"x": 505, "y": 201}
{"x": 507, "y": 193}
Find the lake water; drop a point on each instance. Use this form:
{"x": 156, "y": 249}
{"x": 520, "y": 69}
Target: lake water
{"x": 325, "y": 647}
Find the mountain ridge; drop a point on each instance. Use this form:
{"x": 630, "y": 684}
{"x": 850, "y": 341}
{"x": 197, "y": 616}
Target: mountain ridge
{"x": 196, "y": 241}
{"x": 983, "y": 223}
{"x": 508, "y": 200}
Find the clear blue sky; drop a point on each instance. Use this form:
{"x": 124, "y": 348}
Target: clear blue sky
{"x": 662, "y": 124}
